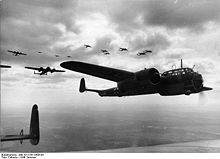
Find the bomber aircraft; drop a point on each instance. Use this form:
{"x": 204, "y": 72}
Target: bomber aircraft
{"x": 16, "y": 53}
{"x": 44, "y": 71}
{"x": 144, "y": 52}
{"x": 104, "y": 51}
{"x": 87, "y": 46}
{"x": 147, "y": 81}
{"x": 34, "y": 133}
{"x": 123, "y": 49}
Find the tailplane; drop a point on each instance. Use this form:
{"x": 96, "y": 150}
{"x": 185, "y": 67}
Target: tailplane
{"x": 82, "y": 87}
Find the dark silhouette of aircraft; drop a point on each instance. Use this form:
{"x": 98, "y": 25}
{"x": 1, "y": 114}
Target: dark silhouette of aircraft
{"x": 57, "y": 56}
{"x": 104, "y": 51}
{"x": 123, "y": 49}
{"x": 44, "y": 71}
{"x": 5, "y": 66}
{"x": 39, "y": 52}
{"x": 87, "y": 46}
{"x": 34, "y": 132}
{"x": 69, "y": 56}
{"x": 16, "y": 53}
{"x": 144, "y": 52}
{"x": 147, "y": 81}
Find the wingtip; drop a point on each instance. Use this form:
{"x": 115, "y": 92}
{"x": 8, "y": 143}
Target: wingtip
{"x": 68, "y": 64}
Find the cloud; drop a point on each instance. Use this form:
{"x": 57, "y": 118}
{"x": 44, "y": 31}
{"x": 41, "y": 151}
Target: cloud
{"x": 156, "y": 42}
{"x": 50, "y": 11}
{"x": 188, "y": 14}
{"x": 184, "y": 14}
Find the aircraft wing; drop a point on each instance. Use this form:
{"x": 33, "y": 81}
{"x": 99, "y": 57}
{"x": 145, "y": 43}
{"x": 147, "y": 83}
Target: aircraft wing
{"x": 111, "y": 74}
{"x": 5, "y": 66}
{"x": 22, "y": 53}
{"x": 32, "y": 68}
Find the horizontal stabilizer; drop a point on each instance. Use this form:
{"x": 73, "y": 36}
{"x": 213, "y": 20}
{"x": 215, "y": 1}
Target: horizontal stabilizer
{"x": 15, "y": 137}
{"x": 82, "y": 87}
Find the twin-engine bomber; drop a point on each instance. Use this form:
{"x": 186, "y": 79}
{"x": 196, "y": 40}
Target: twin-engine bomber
{"x": 44, "y": 71}
{"x": 148, "y": 81}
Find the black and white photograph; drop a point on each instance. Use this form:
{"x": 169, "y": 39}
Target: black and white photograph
{"x": 110, "y": 76}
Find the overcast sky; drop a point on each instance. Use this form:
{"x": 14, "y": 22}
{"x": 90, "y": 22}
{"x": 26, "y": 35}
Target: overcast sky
{"x": 172, "y": 29}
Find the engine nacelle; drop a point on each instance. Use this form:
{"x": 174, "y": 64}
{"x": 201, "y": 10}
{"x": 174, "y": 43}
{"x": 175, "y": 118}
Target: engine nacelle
{"x": 152, "y": 75}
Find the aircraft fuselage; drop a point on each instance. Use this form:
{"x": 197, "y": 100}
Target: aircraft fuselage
{"x": 176, "y": 82}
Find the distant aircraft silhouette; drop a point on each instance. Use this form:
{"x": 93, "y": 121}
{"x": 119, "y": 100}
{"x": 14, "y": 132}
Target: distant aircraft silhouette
{"x": 87, "y": 46}
{"x": 16, "y": 53}
{"x": 123, "y": 49}
{"x": 104, "y": 50}
{"x": 106, "y": 53}
{"x": 5, "y": 66}
{"x": 144, "y": 52}
{"x": 69, "y": 56}
{"x": 44, "y": 71}
{"x": 39, "y": 52}
{"x": 34, "y": 133}
{"x": 57, "y": 55}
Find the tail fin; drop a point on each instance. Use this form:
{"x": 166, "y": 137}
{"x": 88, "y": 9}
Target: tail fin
{"x": 82, "y": 87}
{"x": 21, "y": 134}
{"x": 34, "y": 126}
{"x": 34, "y": 135}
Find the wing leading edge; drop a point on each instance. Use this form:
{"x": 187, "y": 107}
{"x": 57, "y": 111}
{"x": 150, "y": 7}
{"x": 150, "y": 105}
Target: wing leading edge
{"x": 111, "y": 74}
{"x": 32, "y": 68}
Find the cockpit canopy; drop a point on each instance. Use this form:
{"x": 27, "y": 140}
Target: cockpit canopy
{"x": 178, "y": 72}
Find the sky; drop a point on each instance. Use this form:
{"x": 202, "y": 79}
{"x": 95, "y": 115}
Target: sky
{"x": 172, "y": 29}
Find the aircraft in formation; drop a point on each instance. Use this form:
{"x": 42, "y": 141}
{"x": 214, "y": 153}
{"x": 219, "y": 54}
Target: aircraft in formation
{"x": 5, "y": 66}
{"x": 16, "y": 53}
{"x": 147, "y": 81}
{"x": 106, "y": 53}
{"x": 87, "y": 46}
{"x": 123, "y": 49}
{"x": 34, "y": 132}
{"x": 144, "y": 52}
{"x": 44, "y": 71}
{"x": 104, "y": 50}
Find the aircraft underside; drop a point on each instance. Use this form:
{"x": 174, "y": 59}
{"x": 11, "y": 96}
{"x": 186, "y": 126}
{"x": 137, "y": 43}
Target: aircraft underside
{"x": 164, "y": 90}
